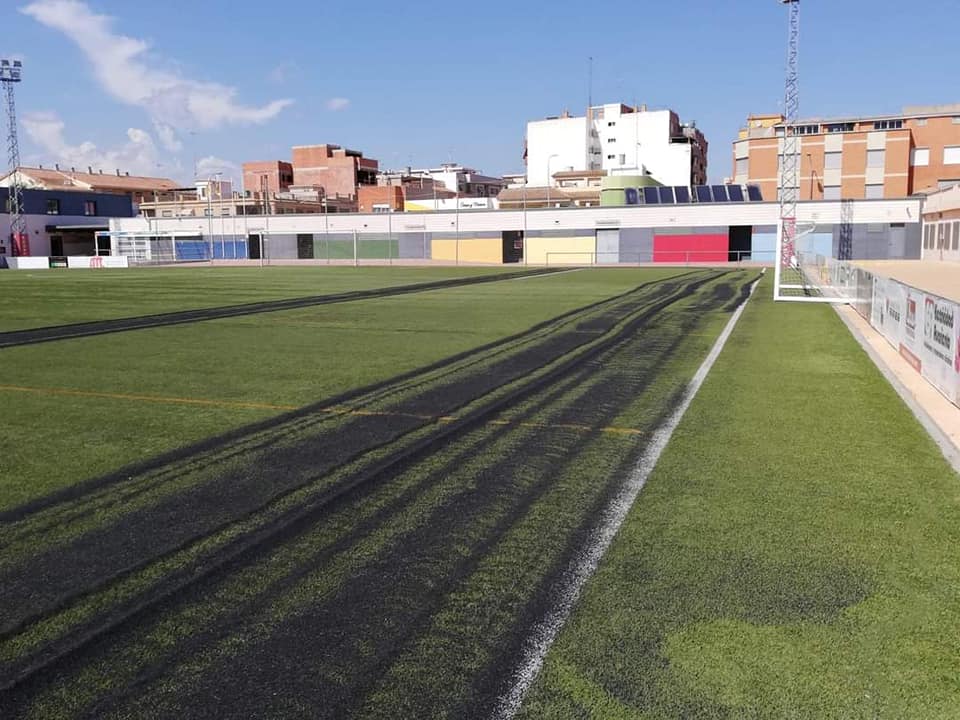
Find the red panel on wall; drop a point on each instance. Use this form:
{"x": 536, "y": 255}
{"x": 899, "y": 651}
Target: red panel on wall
{"x": 690, "y": 248}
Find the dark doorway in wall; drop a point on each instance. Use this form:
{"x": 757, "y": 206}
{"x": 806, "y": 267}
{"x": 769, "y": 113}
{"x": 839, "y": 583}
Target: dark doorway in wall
{"x": 512, "y": 246}
{"x": 741, "y": 237}
{"x": 56, "y": 244}
{"x": 253, "y": 247}
{"x": 304, "y": 246}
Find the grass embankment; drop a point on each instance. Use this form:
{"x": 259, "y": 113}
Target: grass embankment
{"x": 57, "y": 297}
{"x": 148, "y": 391}
{"x": 793, "y": 554}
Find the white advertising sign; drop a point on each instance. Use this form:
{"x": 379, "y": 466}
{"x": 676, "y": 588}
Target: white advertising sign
{"x": 924, "y": 328}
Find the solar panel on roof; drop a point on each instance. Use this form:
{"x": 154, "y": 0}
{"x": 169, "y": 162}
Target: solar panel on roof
{"x": 651, "y": 196}
{"x": 753, "y": 192}
{"x": 666, "y": 195}
{"x": 703, "y": 194}
{"x": 735, "y": 192}
{"x": 683, "y": 194}
{"x": 719, "y": 193}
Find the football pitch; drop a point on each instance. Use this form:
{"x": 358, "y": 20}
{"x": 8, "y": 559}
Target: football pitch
{"x": 355, "y": 492}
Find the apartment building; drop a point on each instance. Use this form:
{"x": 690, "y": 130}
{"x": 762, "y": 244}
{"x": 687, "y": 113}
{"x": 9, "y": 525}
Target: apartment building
{"x": 338, "y": 170}
{"x": 271, "y": 176}
{"x": 619, "y": 139}
{"x": 136, "y": 187}
{"x": 871, "y": 157}
{"x": 464, "y": 181}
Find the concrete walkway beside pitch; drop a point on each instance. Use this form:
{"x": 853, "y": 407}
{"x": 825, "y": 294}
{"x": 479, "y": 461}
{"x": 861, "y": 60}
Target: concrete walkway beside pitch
{"x": 940, "y": 278}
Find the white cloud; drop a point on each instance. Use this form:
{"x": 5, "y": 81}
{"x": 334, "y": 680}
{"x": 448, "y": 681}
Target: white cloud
{"x": 168, "y": 137}
{"x": 211, "y": 165}
{"x": 337, "y": 103}
{"x": 138, "y": 155}
{"x": 121, "y": 67}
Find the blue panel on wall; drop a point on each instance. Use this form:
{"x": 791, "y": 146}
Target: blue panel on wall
{"x": 651, "y": 196}
{"x": 735, "y": 192}
{"x": 666, "y": 195}
{"x": 632, "y": 196}
{"x": 753, "y": 192}
{"x": 703, "y": 194}
{"x": 719, "y": 193}
{"x": 682, "y": 193}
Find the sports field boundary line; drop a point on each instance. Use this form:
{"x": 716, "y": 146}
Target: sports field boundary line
{"x": 949, "y": 449}
{"x": 582, "y": 567}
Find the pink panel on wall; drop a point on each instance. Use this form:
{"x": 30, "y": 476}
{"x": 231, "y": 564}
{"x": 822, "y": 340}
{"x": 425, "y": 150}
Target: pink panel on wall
{"x": 690, "y": 248}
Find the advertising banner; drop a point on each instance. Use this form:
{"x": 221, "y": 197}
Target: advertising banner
{"x": 940, "y": 344}
{"x": 924, "y": 328}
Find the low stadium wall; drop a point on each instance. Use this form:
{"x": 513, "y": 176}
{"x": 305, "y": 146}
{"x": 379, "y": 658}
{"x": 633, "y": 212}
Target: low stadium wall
{"x": 41, "y": 262}
{"x": 922, "y": 326}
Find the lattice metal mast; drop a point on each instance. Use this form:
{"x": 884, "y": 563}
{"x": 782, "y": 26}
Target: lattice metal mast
{"x": 10, "y": 75}
{"x": 790, "y": 169}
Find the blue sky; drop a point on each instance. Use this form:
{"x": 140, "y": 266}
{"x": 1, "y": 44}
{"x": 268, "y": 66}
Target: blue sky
{"x": 156, "y": 87}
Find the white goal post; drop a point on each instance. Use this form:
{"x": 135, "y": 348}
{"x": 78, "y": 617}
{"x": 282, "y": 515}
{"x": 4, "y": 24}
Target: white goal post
{"x": 807, "y": 273}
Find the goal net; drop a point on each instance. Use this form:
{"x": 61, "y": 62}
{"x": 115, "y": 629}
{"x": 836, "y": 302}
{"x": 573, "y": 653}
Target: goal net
{"x": 807, "y": 269}
{"x": 156, "y": 248}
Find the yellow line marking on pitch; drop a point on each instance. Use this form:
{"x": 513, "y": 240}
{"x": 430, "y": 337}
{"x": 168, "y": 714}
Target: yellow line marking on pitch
{"x": 332, "y": 410}
{"x": 148, "y": 398}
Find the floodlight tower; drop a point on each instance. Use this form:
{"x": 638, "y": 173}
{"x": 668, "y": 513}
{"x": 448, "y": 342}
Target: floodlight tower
{"x": 790, "y": 169}
{"x": 20, "y": 241}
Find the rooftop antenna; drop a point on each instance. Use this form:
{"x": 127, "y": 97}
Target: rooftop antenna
{"x": 10, "y": 74}
{"x": 590, "y": 81}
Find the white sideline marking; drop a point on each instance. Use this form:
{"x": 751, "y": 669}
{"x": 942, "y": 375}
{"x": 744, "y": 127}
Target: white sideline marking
{"x": 585, "y": 563}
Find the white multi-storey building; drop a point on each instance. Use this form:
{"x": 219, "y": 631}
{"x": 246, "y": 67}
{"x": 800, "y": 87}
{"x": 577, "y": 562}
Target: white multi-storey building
{"x": 621, "y": 140}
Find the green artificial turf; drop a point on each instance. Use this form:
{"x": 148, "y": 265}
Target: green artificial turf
{"x": 274, "y": 361}
{"x": 793, "y": 555}
{"x": 55, "y": 297}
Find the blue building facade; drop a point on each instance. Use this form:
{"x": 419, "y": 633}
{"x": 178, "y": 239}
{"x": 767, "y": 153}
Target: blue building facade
{"x": 63, "y": 222}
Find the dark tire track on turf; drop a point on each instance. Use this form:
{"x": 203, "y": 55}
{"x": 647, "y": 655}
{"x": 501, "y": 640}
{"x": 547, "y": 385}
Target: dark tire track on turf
{"x": 290, "y": 526}
{"x": 64, "y": 567}
{"x": 14, "y": 338}
{"x": 212, "y": 449}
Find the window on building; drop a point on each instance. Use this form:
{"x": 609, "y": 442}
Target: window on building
{"x": 742, "y": 166}
{"x": 874, "y": 192}
{"x": 956, "y": 236}
{"x": 839, "y": 127}
{"x": 888, "y": 124}
{"x": 921, "y": 122}
{"x": 831, "y": 192}
{"x": 919, "y": 157}
{"x": 808, "y": 129}
{"x": 876, "y": 158}
{"x": 206, "y": 211}
{"x": 956, "y": 119}
{"x": 166, "y": 213}
{"x": 951, "y": 155}
{"x": 53, "y": 207}
{"x": 89, "y": 207}
{"x": 832, "y": 160}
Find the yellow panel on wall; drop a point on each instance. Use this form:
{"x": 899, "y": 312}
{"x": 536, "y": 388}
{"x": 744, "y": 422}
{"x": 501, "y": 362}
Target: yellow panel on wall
{"x": 561, "y": 250}
{"x": 468, "y": 250}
